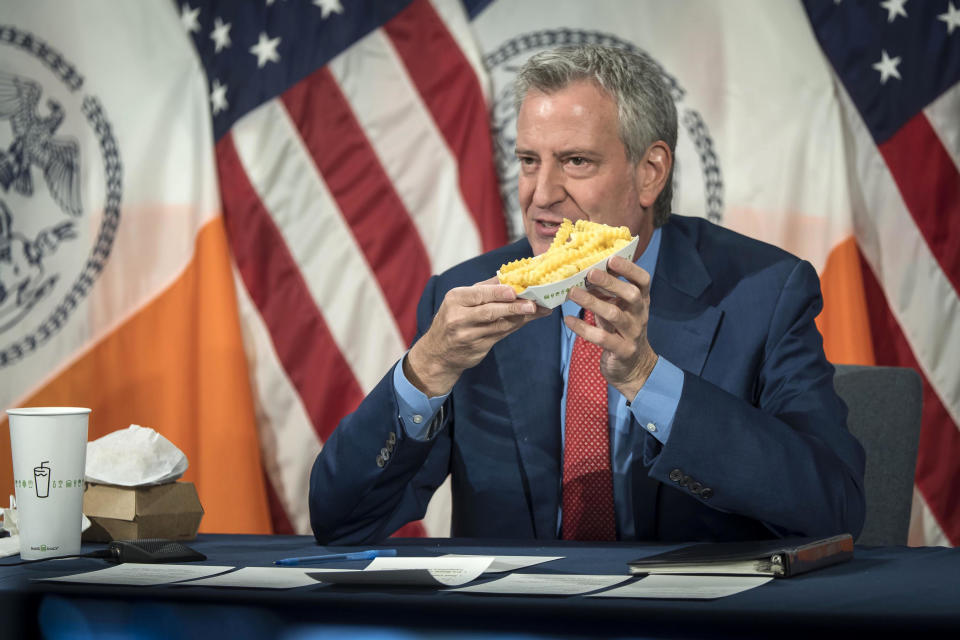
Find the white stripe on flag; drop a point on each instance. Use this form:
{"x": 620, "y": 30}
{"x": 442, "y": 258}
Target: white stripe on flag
{"x": 943, "y": 116}
{"x": 918, "y": 292}
{"x": 436, "y": 521}
{"x": 453, "y": 16}
{"x": 332, "y": 265}
{"x": 288, "y": 443}
{"x": 924, "y": 529}
{"x": 411, "y": 149}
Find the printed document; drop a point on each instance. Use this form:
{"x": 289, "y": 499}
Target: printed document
{"x": 677, "y": 587}
{"x": 544, "y": 584}
{"x": 421, "y": 571}
{"x": 501, "y": 564}
{"x": 142, "y": 574}
{"x": 262, "y": 578}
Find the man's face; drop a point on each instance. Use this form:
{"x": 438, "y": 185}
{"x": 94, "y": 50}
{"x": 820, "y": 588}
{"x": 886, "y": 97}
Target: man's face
{"x": 573, "y": 165}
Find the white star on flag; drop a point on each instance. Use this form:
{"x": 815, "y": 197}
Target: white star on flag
{"x": 218, "y": 97}
{"x": 951, "y": 17}
{"x": 266, "y": 50}
{"x": 188, "y": 17}
{"x": 220, "y": 35}
{"x": 894, "y": 8}
{"x": 887, "y": 67}
{"x": 328, "y": 7}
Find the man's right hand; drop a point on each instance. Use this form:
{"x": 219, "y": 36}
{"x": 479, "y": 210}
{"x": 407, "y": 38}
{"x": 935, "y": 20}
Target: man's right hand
{"x": 467, "y": 325}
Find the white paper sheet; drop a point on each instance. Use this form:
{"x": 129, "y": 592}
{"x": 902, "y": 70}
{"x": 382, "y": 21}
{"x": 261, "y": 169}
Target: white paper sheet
{"x": 141, "y": 574}
{"x": 423, "y": 571}
{"x": 262, "y": 578}
{"x": 685, "y": 587}
{"x": 543, "y": 584}
{"x": 501, "y": 564}
{"x": 9, "y": 546}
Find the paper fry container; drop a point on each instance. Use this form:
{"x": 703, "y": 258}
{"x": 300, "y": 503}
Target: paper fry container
{"x": 553, "y": 295}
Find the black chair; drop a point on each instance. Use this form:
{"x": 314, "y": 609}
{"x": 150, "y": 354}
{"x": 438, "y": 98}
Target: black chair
{"x": 885, "y": 405}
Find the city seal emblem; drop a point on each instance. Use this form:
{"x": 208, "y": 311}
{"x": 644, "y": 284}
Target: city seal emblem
{"x": 60, "y": 189}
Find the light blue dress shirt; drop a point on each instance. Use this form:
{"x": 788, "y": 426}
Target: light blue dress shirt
{"x": 651, "y": 410}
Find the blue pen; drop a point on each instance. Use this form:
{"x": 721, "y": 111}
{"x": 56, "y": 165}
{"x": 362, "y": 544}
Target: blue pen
{"x": 355, "y": 555}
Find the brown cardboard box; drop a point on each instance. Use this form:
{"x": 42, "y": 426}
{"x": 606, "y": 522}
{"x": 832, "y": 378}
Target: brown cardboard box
{"x": 171, "y": 511}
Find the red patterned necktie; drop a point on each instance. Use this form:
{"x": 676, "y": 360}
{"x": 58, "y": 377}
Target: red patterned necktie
{"x": 587, "y": 477}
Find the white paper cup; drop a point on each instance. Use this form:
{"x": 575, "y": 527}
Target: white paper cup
{"x": 49, "y": 446}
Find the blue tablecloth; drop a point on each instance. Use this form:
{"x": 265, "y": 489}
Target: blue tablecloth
{"x": 882, "y": 591}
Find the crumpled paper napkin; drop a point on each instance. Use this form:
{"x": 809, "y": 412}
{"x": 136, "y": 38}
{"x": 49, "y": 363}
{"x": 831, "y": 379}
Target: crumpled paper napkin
{"x": 134, "y": 457}
{"x": 11, "y": 521}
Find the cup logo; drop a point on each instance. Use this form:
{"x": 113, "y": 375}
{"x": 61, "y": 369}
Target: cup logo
{"x": 41, "y": 479}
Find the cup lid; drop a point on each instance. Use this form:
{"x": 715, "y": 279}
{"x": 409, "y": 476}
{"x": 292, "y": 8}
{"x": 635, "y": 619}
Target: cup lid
{"x": 47, "y": 411}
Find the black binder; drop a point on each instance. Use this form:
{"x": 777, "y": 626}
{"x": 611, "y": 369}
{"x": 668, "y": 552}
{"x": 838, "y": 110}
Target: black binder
{"x": 779, "y": 558}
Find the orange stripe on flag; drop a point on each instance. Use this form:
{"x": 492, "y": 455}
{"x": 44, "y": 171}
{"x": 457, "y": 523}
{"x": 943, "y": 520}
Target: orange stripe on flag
{"x": 177, "y": 365}
{"x": 844, "y": 322}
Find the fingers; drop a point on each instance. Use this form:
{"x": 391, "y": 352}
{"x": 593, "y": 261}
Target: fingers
{"x": 483, "y": 310}
{"x": 637, "y": 282}
{"x": 500, "y": 327}
{"x": 612, "y": 341}
{"x": 603, "y": 287}
{"x": 630, "y": 271}
{"x": 620, "y": 307}
{"x": 484, "y": 293}
{"x": 613, "y": 306}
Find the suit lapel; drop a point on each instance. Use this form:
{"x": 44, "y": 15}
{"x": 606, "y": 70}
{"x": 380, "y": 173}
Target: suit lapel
{"x": 529, "y": 365}
{"x": 682, "y": 323}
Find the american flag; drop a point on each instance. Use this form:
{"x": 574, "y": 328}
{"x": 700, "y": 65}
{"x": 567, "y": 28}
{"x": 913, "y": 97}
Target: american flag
{"x": 899, "y": 66}
{"x": 355, "y": 160}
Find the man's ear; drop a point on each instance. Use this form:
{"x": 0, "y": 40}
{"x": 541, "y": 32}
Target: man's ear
{"x": 652, "y": 172}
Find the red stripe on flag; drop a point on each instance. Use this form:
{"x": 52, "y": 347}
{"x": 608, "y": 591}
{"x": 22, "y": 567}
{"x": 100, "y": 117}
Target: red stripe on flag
{"x": 938, "y": 474}
{"x": 304, "y": 344}
{"x": 413, "y": 529}
{"x": 930, "y": 186}
{"x": 278, "y": 514}
{"x": 364, "y": 193}
{"x": 451, "y": 91}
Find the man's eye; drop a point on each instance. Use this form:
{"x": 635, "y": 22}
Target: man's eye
{"x": 577, "y": 161}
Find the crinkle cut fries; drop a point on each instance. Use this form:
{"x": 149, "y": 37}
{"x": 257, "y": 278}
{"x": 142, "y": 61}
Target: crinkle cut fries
{"x": 574, "y": 248}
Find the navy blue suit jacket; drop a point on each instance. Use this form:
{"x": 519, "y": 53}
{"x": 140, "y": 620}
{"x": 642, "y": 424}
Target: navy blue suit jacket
{"x": 758, "y": 447}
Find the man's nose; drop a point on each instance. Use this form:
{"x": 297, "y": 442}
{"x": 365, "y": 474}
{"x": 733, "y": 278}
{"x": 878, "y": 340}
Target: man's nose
{"x": 549, "y": 188}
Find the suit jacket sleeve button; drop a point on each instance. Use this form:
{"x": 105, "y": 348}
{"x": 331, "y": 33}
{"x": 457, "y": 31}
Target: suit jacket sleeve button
{"x": 676, "y": 475}
{"x": 392, "y": 438}
{"x": 380, "y": 461}
{"x": 706, "y": 493}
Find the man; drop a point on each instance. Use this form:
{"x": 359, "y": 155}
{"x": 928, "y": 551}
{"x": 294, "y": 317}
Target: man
{"x": 717, "y": 414}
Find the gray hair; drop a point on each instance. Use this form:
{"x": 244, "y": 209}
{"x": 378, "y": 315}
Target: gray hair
{"x": 635, "y": 82}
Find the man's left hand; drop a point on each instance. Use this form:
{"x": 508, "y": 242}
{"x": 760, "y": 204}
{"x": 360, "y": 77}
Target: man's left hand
{"x": 621, "y": 310}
